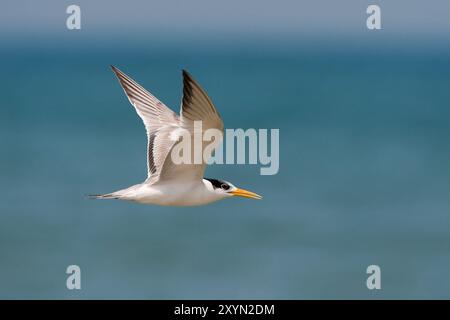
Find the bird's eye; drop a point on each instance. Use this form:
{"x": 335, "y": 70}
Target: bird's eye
{"x": 225, "y": 186}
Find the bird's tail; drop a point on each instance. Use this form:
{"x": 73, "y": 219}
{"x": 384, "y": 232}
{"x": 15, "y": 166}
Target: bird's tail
{"x": 104, "y": 196}
{"x": 124, "y": 194}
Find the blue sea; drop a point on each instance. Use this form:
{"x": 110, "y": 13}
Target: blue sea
{"x": 364, "y": 176}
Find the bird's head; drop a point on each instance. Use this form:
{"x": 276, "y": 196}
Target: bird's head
{"x": 224, "y": 189}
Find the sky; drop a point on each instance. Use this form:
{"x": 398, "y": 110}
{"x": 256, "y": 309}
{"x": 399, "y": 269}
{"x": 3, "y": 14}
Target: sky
{"x": 197, "y": 18}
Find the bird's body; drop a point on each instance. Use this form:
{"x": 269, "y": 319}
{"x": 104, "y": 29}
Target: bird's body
{"x": 192, "y": 193}
{"x": 170, "y": 183}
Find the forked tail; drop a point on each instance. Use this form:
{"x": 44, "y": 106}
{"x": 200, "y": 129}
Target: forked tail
{"x": 104, "y": 196}
{"x": 123, "y": 194}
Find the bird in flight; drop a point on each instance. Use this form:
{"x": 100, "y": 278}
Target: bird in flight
{"x": 169, "y": 183}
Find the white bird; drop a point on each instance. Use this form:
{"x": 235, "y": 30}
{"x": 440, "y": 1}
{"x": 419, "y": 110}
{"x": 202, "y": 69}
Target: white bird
{"x": 167, "y": 183}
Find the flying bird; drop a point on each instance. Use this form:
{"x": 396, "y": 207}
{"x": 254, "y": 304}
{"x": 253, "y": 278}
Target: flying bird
{"x": 169, "y": 183}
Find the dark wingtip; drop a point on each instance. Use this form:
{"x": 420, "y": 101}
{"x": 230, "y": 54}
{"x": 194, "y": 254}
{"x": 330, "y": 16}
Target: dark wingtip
{"x": 186, "y": 75}
{"x": 114, "y": 69}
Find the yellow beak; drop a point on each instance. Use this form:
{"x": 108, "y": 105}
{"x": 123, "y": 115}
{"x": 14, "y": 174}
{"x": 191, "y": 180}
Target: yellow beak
{"x": 246, "y": 194}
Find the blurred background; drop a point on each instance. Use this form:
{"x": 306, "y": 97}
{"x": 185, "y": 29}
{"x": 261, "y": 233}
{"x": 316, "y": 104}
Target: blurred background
{"x": 364, "y": 149}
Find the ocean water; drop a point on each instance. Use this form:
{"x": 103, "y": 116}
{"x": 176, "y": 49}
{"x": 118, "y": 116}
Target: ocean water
{"x": 364, "y": 177}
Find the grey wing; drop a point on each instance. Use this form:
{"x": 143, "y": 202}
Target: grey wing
{"x": 195, "y": 106}
{"x": 159, "y": 123}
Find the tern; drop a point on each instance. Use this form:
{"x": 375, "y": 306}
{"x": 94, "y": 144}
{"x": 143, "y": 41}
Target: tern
{"x": 168, "y": 183}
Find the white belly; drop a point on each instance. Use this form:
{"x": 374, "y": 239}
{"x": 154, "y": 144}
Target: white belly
{"x": 188, "y": 194}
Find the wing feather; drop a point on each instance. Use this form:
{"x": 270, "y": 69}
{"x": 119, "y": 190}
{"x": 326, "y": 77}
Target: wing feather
{"x": 195, "y": 106}
{"x": 158, "y": 119}
{"x": 162, "y": 126}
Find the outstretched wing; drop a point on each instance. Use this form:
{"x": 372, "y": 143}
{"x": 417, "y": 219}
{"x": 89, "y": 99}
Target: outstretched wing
{"x": 197, "y": 107}
{"x": 158, "y": 119}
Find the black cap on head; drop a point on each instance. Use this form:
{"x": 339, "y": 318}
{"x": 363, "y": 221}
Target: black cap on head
{"x": 217, "y": 184}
